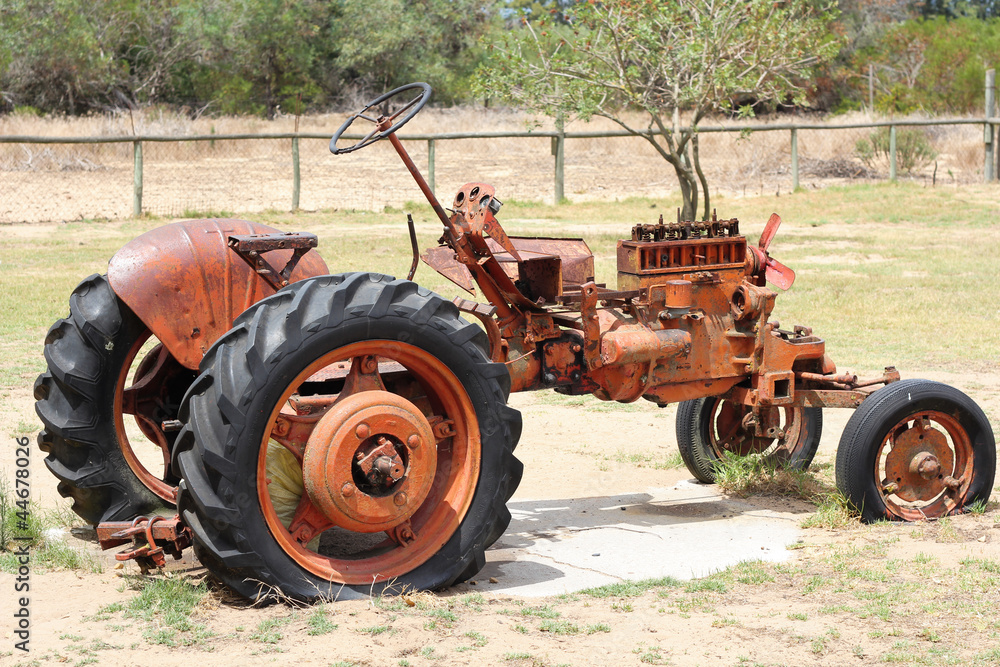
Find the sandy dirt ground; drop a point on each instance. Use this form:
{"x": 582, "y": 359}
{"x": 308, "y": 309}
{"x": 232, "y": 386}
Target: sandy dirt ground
{"x": 569, "y": 451}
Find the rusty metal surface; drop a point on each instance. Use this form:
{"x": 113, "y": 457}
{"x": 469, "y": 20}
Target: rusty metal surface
{"x": 918, "y": 461}
{"x": 188, "y": 287}
{"x": 152, "y": 539}
{"x": 251, "y": 249}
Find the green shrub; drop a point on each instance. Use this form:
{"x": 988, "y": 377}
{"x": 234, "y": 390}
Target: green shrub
{"x": 913, "y": 150}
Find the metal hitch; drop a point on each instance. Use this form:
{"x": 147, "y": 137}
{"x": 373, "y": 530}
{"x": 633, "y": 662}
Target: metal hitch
{"x": 151, "y": 539}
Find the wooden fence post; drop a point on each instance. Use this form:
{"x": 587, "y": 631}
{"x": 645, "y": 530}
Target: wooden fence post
{"x": 430, "y": 164}
{"x": 795, "y": 159}
{"x": 989, "y": 145}
{"x": 136, "y": 179}
{"x": 892, "y": 153}
{"x": 296, "y": 175}
{"x": 559, "y": 151}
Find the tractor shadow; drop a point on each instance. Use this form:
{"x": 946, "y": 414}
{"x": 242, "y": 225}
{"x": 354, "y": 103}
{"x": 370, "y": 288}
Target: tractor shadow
{"x": 688, "y": 531}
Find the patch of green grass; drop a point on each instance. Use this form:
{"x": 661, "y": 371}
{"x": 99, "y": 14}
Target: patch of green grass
{"x": 374, "y": 630}
{"x": 756, "y": 475}
{"x": 544, "y": 611}
{"x": 445, "y": 617}
{"x": 478, "y": 639}
{"x": 598, "y": 627}
{"x": 26, "y": 525}
{"x": 473, "y": 600}
{"x": 319, "y": 622}
{"x": 834, "y": 513}
{"x": 981, "y": 564}
{"x": 977, "y": 508}
{"x": 753, "y": 572}
{"x": 269, "y": 630}
{"x": 625, "y": 589}
{"x": 559, "y": 627}
{"x": 713, "y": 584}
{"x": 165, "y": 605}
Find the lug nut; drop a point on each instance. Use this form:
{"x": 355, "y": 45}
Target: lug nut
{"x": 347, "y": 489}
{"x": 399, "y": 498}
{"x": 362, "y": 431}
{"x": 413, "y": 441}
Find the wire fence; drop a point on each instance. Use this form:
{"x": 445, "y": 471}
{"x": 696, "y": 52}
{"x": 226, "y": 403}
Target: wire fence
{"x": 69, "y": 178}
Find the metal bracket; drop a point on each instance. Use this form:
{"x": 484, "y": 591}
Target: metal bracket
{"x": 151, "y": 538}
{"x": 251, "y": 247}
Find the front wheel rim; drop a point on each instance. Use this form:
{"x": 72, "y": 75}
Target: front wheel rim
{"x": 728, "y": 435}
{"x": 924, "y": 466}
{"x": 415, "y": 533}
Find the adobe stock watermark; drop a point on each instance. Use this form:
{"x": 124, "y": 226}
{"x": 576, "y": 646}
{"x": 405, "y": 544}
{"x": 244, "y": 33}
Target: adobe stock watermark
{"x": 21, "y": 512}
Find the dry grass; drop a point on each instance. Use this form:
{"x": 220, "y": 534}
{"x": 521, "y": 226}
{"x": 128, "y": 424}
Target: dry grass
{"x": 69, "y": 182}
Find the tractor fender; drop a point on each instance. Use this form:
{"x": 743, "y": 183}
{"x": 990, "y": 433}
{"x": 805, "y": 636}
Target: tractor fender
{"x": 188, "y": 287}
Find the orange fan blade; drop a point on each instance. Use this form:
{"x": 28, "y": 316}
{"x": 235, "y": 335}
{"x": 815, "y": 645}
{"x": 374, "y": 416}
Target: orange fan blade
{"x": 770, "y": 229}
{"x": 778, "y": 274}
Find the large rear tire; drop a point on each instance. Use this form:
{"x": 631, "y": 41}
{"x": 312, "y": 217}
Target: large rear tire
{"x": 104, "y": 370}
{"x": 399, "y": 479}
{"x": 709, "y": 428}
{"x": 916, "y": 449}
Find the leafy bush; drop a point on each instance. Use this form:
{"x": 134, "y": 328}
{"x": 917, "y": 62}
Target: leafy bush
{"x": 913, "y": 150}
{"x": 935, "y": 65}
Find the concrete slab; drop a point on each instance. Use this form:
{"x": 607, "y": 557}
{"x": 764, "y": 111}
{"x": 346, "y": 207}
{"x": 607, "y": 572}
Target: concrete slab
{"x": 686, "y": 531}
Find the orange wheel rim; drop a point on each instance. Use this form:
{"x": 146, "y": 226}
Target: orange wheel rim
{"x": 727, "y": 434}
{"x": 434, "y": 505}
{"x": 924, "y": 466}
{"x": 151, "y": 481}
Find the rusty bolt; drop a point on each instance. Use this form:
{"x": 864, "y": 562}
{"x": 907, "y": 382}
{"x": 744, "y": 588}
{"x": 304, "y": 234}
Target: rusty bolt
{"x": 926, "y": 465}
{"x": 281, "y": 427}
{"x": 359, "y": 455}
{"x": 362, "y": 431}
{"x": 576, "y": 348}
{"x": 951, "y": 482}
{"x": 413, "y": 441}
{"x": 347, "y": 490}
{"x": 399, "y": 498}
{"x": 369, "y": 364}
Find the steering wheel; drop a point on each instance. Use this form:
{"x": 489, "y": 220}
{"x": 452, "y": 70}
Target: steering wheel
{"x": 384, "y": 125}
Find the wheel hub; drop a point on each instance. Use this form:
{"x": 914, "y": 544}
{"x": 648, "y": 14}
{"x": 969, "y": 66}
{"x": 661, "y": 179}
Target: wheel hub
{"x": 382, "y": 467}
{"x": 370, "y": 462}
{"x": 918, "y": 462}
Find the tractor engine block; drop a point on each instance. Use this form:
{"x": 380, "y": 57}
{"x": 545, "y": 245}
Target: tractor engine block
{"x": 658, "y": 253}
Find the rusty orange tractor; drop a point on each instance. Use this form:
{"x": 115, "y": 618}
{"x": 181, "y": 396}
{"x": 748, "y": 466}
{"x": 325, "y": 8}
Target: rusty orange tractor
{"x": 321, "y": 434}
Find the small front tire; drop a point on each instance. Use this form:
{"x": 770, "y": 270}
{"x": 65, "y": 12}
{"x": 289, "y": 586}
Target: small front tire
{"x": 916, "y": 449}
{"x": 709, "y": 428}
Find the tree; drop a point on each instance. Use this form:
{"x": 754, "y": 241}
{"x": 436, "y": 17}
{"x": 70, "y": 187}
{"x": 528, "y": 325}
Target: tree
{"x": 255, "y": 54}
{"x": 389, "y": 43}
{"x": 662, "y": 58}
